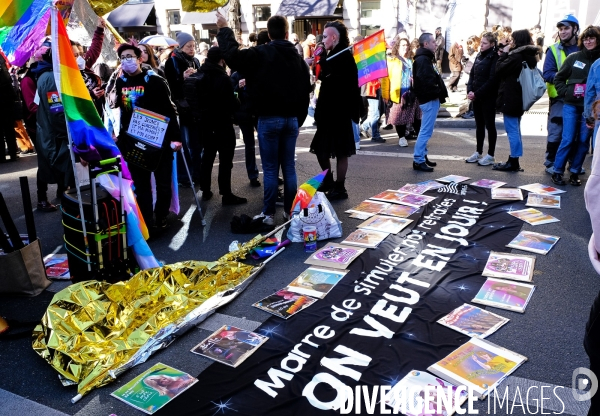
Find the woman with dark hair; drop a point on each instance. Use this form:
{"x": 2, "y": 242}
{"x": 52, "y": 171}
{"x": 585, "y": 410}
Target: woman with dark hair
{"x": 149, "y": 59}
{"x": 510, "y": 93}
{"x": 394, "y": 88}
{"x": 337, "y": 107}
{"x": 570, "y": 82}
{"x": 482, "y": 90}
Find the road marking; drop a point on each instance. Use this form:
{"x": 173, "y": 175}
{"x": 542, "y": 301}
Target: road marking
{"x": 406, "y": 155}
{"x": 13, "y": 404}
{"x": 558, "y": 399}
{"x": 179, "y": 238}
{"x": 217, "y": 320}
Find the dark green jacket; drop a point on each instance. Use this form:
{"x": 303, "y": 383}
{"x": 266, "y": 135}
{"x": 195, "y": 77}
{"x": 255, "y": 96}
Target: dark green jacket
{"x": 574, "y": 71}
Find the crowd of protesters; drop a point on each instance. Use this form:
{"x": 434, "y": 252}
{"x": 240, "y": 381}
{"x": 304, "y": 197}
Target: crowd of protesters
{"x": 269, "y": 86}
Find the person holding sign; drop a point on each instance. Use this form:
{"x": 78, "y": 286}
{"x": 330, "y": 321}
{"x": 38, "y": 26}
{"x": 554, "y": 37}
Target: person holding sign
{"x": 149, "y": 133}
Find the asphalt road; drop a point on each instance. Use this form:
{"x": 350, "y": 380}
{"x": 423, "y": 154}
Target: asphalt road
{"x": 549, "y": 333}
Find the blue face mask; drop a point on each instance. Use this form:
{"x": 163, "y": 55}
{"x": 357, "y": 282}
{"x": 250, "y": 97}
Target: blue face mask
{"x": 130, "y": 66}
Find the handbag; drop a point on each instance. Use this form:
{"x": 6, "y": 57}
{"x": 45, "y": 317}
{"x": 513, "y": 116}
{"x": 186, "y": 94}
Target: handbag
{"x": 532, "y": 85}
{"x": 319, "y": 214}
{"x": 22, "y": 272}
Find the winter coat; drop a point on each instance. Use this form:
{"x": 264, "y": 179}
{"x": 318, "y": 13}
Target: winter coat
{"x": 550, "y": 64}
{"x": 592, "y": 91}
{"x": 508, "y": 69}
{"x": 278, "y": 79}
{"x": 51, "y": 139}
{"x": 440, "y": 48}
{"x": 455, "y": 57}
{"x": 391, "y": 85}
{"x": 175, "y": 66}
{"x": 244, "y": 112}
{"x": 574, "y": 71}
{"x": 427, "y": 82}
{"x": 482, "y": 81}
{"x": 219, "y": 92}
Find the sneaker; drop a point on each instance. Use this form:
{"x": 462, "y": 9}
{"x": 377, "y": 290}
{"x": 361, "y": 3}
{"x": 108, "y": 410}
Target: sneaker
{"x": 266, "y": 219}
{"x": 279, "y": 200}
{"x": 46, "y": 206}
{"x": 357, "y": 144}
{"x": 378, "y": 140}
{"x": 473, "y": 158}
{"x": 402, "y": 142}
{"x": 367, "y": 133}
{"x": 486, "y": 160}
{"x": 232, "y": 199}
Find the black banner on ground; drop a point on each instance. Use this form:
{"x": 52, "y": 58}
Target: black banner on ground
{"x": 376, "y": 325}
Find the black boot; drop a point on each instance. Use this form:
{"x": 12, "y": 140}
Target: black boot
{"x": 338, "y": 191}
{"x": 511, "y": 165}
{"x": 557, "y": 179}
{"x": 328, "y": 183}
{"x": 429, "y": 162}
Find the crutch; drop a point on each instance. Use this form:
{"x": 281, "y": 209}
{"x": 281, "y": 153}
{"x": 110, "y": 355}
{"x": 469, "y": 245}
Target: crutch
{"x": 187, "y": 169}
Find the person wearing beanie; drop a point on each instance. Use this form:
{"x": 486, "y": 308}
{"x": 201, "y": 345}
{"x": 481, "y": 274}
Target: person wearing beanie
{"x": 180, "y": 65}
{"x": 216, "y": 127}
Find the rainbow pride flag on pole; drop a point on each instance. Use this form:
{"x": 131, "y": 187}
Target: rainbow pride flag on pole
{"x": 369, "y": 55}
{"x": 86, "y": 129}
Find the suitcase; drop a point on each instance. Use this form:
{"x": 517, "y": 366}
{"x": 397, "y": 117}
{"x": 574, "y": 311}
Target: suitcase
{"x": 107, "y": 256}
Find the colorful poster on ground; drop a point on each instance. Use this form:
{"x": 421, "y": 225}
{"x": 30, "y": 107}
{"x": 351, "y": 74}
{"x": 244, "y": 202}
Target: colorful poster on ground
{"x": 543, "y": 201}
{"x": 284, "y": 303}
{"x": 57, "y": 266}
{"x": 391, "y": 225}
{"x": 473, "y": 321}
{"x": 538, "y": 188}
{"x": 365, "y": 238}
{"x": 316, "y": 282}
{"x": 334, "y": 255}
{"x": 533, "y": 216}
{"x": 349, "y": 338}
{"x": 504, "y": 294}
{"x": 154, "y": 388}
{"x": 230, "y": 345}
{"x": 510, "y": 266}
{"x": 534, "y": 242}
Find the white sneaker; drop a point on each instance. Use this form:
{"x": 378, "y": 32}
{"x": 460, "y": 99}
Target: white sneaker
{"x": 266, "y": 219}
{"x": 486, "y": 160}
{"x": 402, "y": 142}
{"x": 357, "y": 144}
{"x": 473, "y": 158}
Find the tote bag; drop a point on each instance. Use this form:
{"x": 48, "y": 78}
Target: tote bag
{"x": 532, "y": 85}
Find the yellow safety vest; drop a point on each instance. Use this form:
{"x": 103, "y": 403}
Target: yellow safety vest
{"x": 559, "y": 59}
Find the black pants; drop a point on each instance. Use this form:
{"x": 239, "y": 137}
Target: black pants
{"x": 401, "y": 129}
{"x": 42, "y": 187}
{"x": 591, "y": 343}
{"x": 485, "y": 118}
{"x": 143, "y": 188}
{"x": 219, "y": 139}
{"x": 247, "y": 129}
{"x": 7, "y": 123}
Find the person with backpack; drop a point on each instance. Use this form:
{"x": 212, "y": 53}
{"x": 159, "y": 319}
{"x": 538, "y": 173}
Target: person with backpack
{"x": 279, "y": 84}
{"x": 141, "y": 88}
{"x": 556, "y": 54}
{"x": 180, "y": 64}
{"x": 510, "y": 93}
{"x": 216, "y": 126}
{"x": 570, "y": 83}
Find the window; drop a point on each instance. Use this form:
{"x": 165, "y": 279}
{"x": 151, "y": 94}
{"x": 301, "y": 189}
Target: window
{"x": 370, "y": 17}
{"x": 262, "y": 13}
{"x": 174, "y": 17}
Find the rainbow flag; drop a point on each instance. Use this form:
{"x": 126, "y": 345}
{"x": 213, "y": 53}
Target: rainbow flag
{"x": 86, "y": 130}
{"x": 369, "y": 55}
{"x": 307, "y": 190}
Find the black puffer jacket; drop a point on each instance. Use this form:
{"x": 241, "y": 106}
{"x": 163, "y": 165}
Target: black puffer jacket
{"x": 508, "y": 69}
{"x": 427, "y": 83}
{"x": 482, "y": 81}
{"x": 573, "y": 71}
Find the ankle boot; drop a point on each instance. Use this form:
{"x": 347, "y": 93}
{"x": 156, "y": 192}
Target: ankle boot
{"x": 511, "y": 165}
{"x": 338, "y": 191}
{"x": 328, "y": 183}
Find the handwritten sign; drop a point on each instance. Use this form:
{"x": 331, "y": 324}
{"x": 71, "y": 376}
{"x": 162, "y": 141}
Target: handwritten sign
{"x": 148, "y": 126}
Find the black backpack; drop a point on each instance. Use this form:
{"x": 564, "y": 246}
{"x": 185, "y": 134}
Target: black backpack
{"x": 195, "y": 91}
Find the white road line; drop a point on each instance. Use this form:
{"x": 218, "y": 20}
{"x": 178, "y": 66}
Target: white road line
{"x": 179, "y": 238}
{"x": 407, "y": 155}
{"x": 217, "y": 320}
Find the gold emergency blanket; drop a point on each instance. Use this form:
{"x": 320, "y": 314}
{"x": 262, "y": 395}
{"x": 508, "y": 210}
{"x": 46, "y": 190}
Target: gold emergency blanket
{"x": 93, "y": 331}
{"x": 202, "y": 6}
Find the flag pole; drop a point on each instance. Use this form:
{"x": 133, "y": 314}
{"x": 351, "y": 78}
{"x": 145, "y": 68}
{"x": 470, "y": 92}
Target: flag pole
{"x": 56, "y": 69}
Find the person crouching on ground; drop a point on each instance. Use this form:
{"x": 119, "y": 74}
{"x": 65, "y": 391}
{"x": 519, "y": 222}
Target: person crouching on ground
{"x": 139, "y": 88}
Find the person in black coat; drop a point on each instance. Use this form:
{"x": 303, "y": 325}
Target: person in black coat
{"x": 337, "y": 107}
{"x": 216, "y": 127}
{"x": 510, "y": 94}
{"x": 482, "y": 90}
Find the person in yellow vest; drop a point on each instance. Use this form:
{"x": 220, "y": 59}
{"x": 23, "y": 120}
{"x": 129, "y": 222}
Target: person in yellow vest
{"x": 568, "y": 29}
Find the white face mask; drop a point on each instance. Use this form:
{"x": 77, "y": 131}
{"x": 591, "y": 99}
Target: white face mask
{"x": 80, "y": 62}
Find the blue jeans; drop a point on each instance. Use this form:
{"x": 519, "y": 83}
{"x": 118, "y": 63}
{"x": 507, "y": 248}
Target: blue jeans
{"x": 277, "y": 141}
{"x": 575, "y": 135}
{"x": 512, "y": 125}
{"x": 249, "y": 149}
{"x": 356, "y": 130}
{"x": 430, "y": 110}
{"x": 372, "y": 121}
